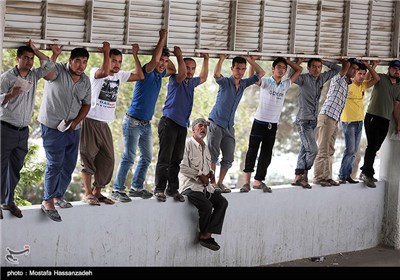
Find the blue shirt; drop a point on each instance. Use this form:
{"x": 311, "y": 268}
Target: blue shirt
{"x": 223, "y": 112}
{"x": 179, "y": 102}
{"x": 145, "y": 95}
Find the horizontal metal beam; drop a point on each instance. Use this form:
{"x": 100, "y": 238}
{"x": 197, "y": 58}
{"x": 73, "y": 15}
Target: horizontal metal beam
{"x": 193, "y": 51}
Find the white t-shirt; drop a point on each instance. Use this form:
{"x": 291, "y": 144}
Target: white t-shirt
{"x": 272, "y": 97}
{"x": 104, "y": 95}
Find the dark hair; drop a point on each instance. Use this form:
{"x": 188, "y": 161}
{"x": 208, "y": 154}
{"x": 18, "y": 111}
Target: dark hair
{"x": 23, "y": 49}
{"x": 239, "y": 60}
{"x": 79, "y": 52}
{"x": 165, "y": 52}
{"x": 279, "y": 60}
{"x": 312, "y": 60}
{"x": 362, "y": 66}
{"x": 115, "y": 52}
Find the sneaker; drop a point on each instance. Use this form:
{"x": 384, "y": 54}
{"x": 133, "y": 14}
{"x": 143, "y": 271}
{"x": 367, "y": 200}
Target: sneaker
{"x": 362, "y": 175}
{"x": 142, "y": 193}
{"x": 369, "y": 181}
{"x": 120, "y": 196}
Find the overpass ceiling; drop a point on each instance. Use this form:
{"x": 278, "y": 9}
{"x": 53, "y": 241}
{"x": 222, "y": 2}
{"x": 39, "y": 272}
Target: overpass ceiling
{"x": 322, "y": 28}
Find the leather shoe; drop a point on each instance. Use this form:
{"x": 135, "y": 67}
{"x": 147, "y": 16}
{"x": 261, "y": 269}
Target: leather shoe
{"x": 14, "y": 210}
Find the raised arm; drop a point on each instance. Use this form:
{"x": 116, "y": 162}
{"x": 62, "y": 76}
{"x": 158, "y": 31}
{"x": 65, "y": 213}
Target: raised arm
{"x": 56, "y": 51}
{"x": 104, "y": 70}
{"x": 251, "y": 70}
{"x": 136, "y": 75}
{"x": 36, "y": 51}
{"x": 297, "y": 70}
{"x": 182, "y": 71}
{"x": 254, "y": 65}
{"x": 218, "y": 67}
{"x": 298, "y": 61}
{"x": 372, "y": 77}
{"x": 155, "y": 59}
{"x": 345, "y": 67}
{"x": 204, "y": 68}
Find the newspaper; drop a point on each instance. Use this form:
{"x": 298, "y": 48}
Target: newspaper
{"x": 25, "y": 85}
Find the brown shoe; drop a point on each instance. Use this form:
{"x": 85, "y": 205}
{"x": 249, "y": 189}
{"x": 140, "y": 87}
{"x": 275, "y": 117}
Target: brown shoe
{"x": 14, "y": 210}
{"x": 333, "y": 182}
{"x": 324, "y": 183}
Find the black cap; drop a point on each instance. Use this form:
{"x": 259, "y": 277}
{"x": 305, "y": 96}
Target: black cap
{"x": 395, "y": 63}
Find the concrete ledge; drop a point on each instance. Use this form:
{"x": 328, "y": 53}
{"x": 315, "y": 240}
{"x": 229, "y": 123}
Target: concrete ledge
{"x": 260, "y": 228}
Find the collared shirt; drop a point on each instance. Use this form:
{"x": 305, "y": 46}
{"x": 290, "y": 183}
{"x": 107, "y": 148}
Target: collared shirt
{"x": 310, "y": 91}
{"x": 19, "y": 110}
{"x": 196, "y": 161}
{"x": 145, "y": 95}
{"x": 179, "y": 101}
{"x": 228, "y": 98}
{"x": 336, "y": 97}
{"x": 63, "y": 98}
{"x": 353, "y": 110}
{"x": 272, "y": 97}
{"x": 383, "y": 97}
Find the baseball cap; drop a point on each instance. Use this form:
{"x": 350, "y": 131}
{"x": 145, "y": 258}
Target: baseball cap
{"x": 394, "y": 63}
{"x": 200, "y": 120}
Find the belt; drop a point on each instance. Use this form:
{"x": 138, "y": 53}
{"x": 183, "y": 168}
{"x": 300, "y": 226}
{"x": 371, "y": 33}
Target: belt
{"x": 13, "y": 127}
{"x": 142, "y": 122}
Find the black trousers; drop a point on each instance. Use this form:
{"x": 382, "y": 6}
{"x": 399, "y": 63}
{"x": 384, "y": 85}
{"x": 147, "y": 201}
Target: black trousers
{"x": 14, "y": 147}
{"x": 376, "y": 129}
{"x": 172, "y": 146}
{"x": 264, "y": 134}
{"x": 212, "y": 208}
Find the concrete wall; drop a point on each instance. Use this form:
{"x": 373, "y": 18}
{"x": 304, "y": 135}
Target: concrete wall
{"x": 260, "y": 228}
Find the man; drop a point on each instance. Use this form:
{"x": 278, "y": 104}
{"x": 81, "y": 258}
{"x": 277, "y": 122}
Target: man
{"x": 328, "y": 118}
{"x": 230, "y": 92}
{"x": 352, "y": 117}
{"x": 385, "y": 101}
{"x": 17, "y": 99}
{"x": 136, "y": 125}
{"x": 65, "y": 103}
{"x": 195, "y": 178}
{"x": 310, "y": 87}
{"x": 96, "y": 143}
{"x": 272, "y": 96}
{"x": 172, "y": 128}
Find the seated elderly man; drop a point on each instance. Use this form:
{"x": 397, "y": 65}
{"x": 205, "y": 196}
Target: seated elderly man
{"x": 195, "y": 179}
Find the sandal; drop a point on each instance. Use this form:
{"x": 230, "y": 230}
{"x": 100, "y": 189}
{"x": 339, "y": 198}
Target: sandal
{"x": 179, "y": 197}
{"x": 52, "y": 214}
{"x": 91, "y": 201}
{"x": 265, "y": 188}
{"x": 245, "y": 188}
{"x": 302, "y": 183}
{"x": 224, "y": 188}
{"x": 160, "y": 196}
{"x": 105, "y": 200}
{"x": 62, "y": 203}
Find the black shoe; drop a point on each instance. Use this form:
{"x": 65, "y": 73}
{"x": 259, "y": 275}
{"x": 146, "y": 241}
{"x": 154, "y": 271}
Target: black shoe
{"x": 14, "y": 210}
{"x": 210, "y": 244}
{"x": 351, "y": 181}
{"x": 142, "y": 193}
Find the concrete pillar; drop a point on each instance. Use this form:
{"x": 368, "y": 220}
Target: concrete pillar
{"x": 390, "y": 172}
{"x": 2, "y": 24}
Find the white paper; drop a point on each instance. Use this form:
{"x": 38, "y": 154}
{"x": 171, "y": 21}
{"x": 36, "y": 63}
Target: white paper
{"x": 24, "y": 84}
{"x": 62, "y": 126}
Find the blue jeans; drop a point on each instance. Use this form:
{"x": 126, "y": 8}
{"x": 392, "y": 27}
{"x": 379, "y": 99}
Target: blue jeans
{"x": 352, "y": 136}
{"x": 62, "y": 154}
{"x": 309, "y": 148}
{"x": 135, "y": 134}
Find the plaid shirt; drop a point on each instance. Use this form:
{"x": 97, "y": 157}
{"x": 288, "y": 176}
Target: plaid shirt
{"x": 336, "y": 97}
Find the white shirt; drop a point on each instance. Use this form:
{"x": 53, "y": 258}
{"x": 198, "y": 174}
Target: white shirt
{"x": 104, "y": 95}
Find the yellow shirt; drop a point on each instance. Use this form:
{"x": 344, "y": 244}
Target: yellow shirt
{"x": 353, "y": 110}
